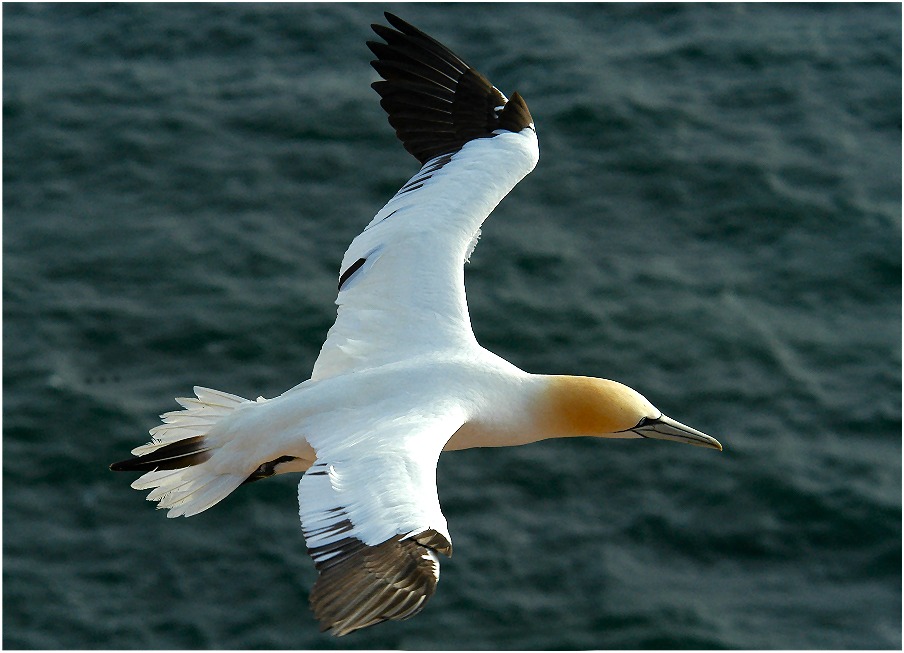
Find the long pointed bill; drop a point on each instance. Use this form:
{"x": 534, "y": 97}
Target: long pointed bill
{"x": 665, "y": 428}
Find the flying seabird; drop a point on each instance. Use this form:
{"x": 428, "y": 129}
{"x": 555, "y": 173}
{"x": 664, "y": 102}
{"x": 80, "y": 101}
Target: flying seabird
{"x": 401, "y": 377}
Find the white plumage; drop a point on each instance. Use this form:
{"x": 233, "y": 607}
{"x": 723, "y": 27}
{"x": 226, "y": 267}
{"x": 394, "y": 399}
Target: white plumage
{"x": 411, "y": 298}
{"x": 401, "y": 377}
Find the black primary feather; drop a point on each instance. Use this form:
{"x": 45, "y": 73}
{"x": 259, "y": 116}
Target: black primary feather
{"x": 436, "y": 102}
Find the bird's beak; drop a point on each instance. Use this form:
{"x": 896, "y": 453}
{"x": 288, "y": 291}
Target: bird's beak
{"x": 665, "y": 428}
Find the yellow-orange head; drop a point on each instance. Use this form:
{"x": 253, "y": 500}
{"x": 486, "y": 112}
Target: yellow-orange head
{"x": 580, "y": 405}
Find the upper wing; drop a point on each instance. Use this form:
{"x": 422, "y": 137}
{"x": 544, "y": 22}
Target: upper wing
{"x": 401, "y": 284}
{"x": 372, "y": 521}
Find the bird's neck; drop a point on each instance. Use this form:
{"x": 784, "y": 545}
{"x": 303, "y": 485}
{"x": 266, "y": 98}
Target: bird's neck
{"x": 544, "y": 407}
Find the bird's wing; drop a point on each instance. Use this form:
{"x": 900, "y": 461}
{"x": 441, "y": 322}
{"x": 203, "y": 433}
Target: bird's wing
{"x": 372, "y": 521}
{"x": 401, "y": 283}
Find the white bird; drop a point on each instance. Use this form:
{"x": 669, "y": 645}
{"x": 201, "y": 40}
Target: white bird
{"x": 401, "y": 376}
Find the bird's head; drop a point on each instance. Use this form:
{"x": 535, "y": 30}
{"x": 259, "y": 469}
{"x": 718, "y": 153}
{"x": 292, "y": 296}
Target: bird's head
{"x": 581, "y": 405}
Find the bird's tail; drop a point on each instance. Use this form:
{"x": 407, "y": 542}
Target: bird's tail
{"x": 175, "y": 462}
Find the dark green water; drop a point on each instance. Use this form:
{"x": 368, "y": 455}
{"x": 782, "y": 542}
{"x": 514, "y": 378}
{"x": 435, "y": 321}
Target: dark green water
{"x": 715, "y": 221}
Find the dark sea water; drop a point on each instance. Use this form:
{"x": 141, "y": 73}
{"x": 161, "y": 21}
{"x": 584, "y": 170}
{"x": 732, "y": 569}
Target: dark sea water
{"x": 715, "y": 220}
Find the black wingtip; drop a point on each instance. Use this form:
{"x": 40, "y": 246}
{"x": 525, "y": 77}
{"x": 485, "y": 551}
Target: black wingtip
{"x": 515, "y": 115}
{"x": 436, "y": 101}
{"x": 408, "y": 29}
{"x": 398, "y": 23}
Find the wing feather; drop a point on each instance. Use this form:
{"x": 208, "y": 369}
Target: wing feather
{"x": 372, "y": 521}
{"x": 417, "y": 69}
{"x": 401, "y": 283}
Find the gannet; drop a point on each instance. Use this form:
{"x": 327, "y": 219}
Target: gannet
{"x": 401, "y": 377}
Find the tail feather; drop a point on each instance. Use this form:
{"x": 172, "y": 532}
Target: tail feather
{"x": 212, "y": 400}
{"x": 198, "y": 497}
{"x": 153, "y": 479}
{"x": 181, "y": 453}
{"x": 174, "y": 460}
{"x": 168, "y": 492}
{"x": 196, "y": 418}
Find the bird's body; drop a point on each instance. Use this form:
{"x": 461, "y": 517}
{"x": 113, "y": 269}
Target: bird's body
{"x": 401, "y": 377}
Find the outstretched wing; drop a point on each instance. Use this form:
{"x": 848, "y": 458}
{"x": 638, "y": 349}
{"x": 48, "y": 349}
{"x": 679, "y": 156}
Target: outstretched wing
{"x": 401, "y": 283}
{"x": 372, "y": 521}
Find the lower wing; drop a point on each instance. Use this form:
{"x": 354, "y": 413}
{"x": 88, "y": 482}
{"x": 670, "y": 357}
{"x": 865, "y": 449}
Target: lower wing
{"x": 372, "y": 521}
